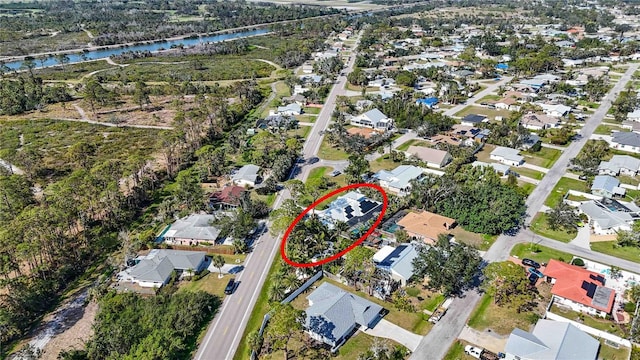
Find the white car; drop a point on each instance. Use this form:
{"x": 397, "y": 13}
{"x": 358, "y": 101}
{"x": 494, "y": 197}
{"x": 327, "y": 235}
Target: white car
{"x": 473, "y": 351}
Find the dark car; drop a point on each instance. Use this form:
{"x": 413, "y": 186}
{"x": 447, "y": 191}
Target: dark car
{"x": 529, "y": 262}
{"x": 533, "y": 279}
{"x": 535, "y": 272}
{"x": 231, "y": 285}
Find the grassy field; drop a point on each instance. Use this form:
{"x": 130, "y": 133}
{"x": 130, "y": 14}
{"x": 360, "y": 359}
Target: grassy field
{"x": 546, "y": 157}
{"x": 534, "y": 174}
{"x": 72, "y": 71}
{"x": 501, "y": 320}
{"x": 603, "y": 129}
{"x": 416, "y": 142}
{"x": 481, "y": 110}
{"x": 456, "y": 352}
{"x": 541, "y": 254}
{"x": 594, "y": 322}
{"x": 540, "y": 227}
{"x": 329, "y": 152}
{"x": 526, "y": 187}
{"x": 210, "y": 283}
{"x": 312, "y": 110}
{"x": 318, "y": 173}
{"x": 383, "y": 163}
{"x": 610, "y": 353}
{"x": 611, "y": 248}
{"x": 357, "y": 345}
{"x": 478, "y": 241}
{"x": 561, "y": 188}
{"x": 44, "y": 42}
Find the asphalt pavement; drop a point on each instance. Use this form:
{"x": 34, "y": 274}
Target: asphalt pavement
{"x": 225, "y": 331}
{"x": 437, "y": 342}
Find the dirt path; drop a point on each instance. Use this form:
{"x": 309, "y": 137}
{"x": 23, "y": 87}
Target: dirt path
{"x": 74, "y": 337}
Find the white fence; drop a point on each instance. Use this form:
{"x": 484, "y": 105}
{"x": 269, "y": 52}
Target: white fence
{"x": 590, "y": 330}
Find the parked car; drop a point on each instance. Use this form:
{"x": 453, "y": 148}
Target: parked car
{"x": 231, "y": 285}
{"x": 582, "y": 177}
{"x": 533, "y": 279}
{"x": 529, "y": 262}
{"x": 437, "y": 315}
{"x": 335, "y": 173}
{"x": 473, "y": 351}
{"x": 536, "y": 272}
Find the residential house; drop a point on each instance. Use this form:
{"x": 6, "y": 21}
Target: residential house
{"x": 551, "y": 340}
{"x": 246, "y": 175}
{"x": 277, "y": 121}
{"x": 154, "y": 270}
{"x": 533, "y": 121}
{"x": 398, "y": 180}
{"x": 564, "y": 43}
{"x": 631, "y": 125}
{"x": 296, "y": 98}
{"x": 579, "y": 289}
{"x": 530, "y": 141}
{"x": 555, "y": 110}
{"x": 352, "y": 208}
{"x": 227, "y": 198}
{"x": 290, "y": 109}
{"x": 334, "y": 314}
{"x": 634, "y": 116}
{"x": 507, "y": 156}
{"x": 429, "y": 102}
{"x": 473, "y": 120}
{"x": 426, "y": 226}
{"x": 606, "y": 186}
{"x": 620, "y": 165}
{"x": 507, "y": 103}
{"x": 192, "y": 230}
{"x": 535, "y": 84}
{"x": 432, "y": 157}
{"x": 547, "y": 78}
{"x": 459, "y": 74}
{"x": 626, "y": 141}
{"x": 397, "y": 261}
{"x": 374, "y": 119}
{"x": 608, "y": 216}
{"x": 501, "y": 169}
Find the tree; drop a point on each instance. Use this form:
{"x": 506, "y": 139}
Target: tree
{"x": 563, "y": 216}
{"x": 630, "y": 238}
{"x": 358, "y": 264}
{"x": 218, "y": 261}
{"x": 590, "y": 156}
{"x": 450, "y": 267}
{"x": 285, "y": 324}
{"x": 507, "y": 284}
{"x": 406, "y": 78}
{"x": 357, "y": 167}
{"x": 141, "y": 94}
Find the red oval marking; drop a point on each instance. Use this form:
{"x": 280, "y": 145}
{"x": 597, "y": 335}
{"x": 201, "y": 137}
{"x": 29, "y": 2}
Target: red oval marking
{"x": 385, "y": 203}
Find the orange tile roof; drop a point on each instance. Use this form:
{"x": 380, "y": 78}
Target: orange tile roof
{"x": 426, "y": 224}
{"x": 569, "y": 284}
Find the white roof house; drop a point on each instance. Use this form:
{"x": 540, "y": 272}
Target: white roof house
{"x": 374, "y": 119}
{"x": 539, "y": 121}
{"x": 432, "y": 157}
{"x": 398, "y": 180}
{"x": 634, "y": 116}
{"x": 507, "y": 156}
{"x": 620, "y": 164}
{"x": 606, "y": 186}
{"x": 290, "y": 109}
{"x": 626, "y": 141}
{"x": 154, "y": 270}
{"x": 609, "y": 216}
{"x": 352, "y": 208}
{"x": 551, "y": 340}
{"x": 557, "y": 110}
{"x": 246, "y": 175}
{"x": 191, "y": 230}
{"x": 499, "y": 168}
{"x": 397, "y": 261}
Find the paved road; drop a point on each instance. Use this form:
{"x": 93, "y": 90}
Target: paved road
{"x": 436, "y": 344}
{"x": 472, "y": 100}
{"x": 225, "y": 331}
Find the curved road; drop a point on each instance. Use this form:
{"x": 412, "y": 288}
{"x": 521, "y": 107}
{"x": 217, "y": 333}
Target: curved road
{"x": 437, "y": 342}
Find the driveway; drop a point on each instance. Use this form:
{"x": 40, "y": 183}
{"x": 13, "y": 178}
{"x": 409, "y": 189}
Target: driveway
{"x": 484, "y": 339}
{"x": 385, "y": 329}
{"x": 583, "y": 237}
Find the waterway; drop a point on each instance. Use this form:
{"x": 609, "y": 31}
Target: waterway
{"x": 154, "y": 46}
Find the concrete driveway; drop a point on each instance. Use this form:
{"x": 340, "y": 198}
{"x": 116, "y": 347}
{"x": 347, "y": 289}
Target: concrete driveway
{"x": 488, "y": 340}
{"x": 388, "y": 330}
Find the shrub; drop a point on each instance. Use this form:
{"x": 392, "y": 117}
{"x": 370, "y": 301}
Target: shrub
{"x": 578, "y": 262}
{"x": 630, "y": 307}
{"x": 413, "y": 291}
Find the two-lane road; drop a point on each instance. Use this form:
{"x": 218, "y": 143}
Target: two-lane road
{"x": 437, "y": 342}
{"x": 225, "y": 331}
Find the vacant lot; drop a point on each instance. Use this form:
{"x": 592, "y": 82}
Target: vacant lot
{"x": 541, "y": 254}
{"x": 481, "y": 110}
{"x": 539, "y": 226}
{"x": 546, "y": 157}
{"x": 330, "y": 152}
{"x": 611, "y": 248}
{"x": 561, "y": 188}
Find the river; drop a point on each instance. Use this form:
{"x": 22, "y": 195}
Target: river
{"x": 154, "y": 46}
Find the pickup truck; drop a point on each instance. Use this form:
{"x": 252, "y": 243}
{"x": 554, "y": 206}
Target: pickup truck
{"x": 437, "y": 315}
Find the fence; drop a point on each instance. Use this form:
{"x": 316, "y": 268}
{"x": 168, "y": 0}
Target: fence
{"x": 590, "y": 330}
{"x": 286, "y": 300}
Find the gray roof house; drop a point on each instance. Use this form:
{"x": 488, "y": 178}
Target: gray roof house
{"x": 333, "y": 314}
{"x": 473, "y": 119}
{"x": 398, "y": 180}
{"x": 620, "y": 165}
{"x": 551, "y": 340}
{"x": 191, "y": 230}
{"x": 506, "y": 156}
{"x": 608, "y": 216}
{"x": 397, "y": 261}
{"x": 626, "y": 141}
{"x": 499, "y": 168}
{"x": 154, "y": 269}
{"x": 374, "y": 119}
{"x": 246, "y": 175}
{"x": 606, "y": 186}
{"x": 430, "y": 156}
{"x": 352, "y": 208}
{"x": 290, "y": 109}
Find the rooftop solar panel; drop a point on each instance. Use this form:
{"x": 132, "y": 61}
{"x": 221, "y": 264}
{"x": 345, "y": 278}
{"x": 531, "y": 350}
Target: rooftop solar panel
{"x": 592, "y": 290}
{"x": 585, "y": 285}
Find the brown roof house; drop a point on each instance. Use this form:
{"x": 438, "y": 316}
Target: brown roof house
{"x": 432, "y": 157}
{"x": 426, "y": 225}
{"x": 227, "y": 198}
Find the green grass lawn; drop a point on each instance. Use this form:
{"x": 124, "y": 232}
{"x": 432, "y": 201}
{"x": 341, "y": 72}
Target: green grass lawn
{"x": 526, "y": 187}
{"x": 456, "y": 352}
{"x": 489, "y": 98}
{"x": 282, "y": 90}
{"x": 534, "y": 174}
{"x": 312, "y": 110}
{"x": 416, "y": 142}
{"x": 546, "y": 157}
{"x": 501, "y": 320}
{"x": 480, "y": 110}
{"x": 539, "y": 253}
{"x": 631, "y": 180}
{"x": 329, "y": 152}
{"x": 259, "y": 310}
{"x": 540, "y": 227}
{"x": 603, "y": 129}
{"x": 383, "y": 163}
{"x": 610, "y": 248}
{"x": 357, "y": 345}
{"x": 594, "y": 322}
{"x": 478, "y": 241}
{"x": 210, "y": 283}
{"x": 610, "y": 353}
{"x": 561, "y": 188}
{"x": 318, "y": 173}
{"x": 306, "y": 118}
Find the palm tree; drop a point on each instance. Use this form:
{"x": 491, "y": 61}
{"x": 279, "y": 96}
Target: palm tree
{"x": 277, "y": 289}
{"x": 218, "y": 261}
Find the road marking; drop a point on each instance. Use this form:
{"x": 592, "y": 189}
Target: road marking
{"x": 225, "y": 330}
